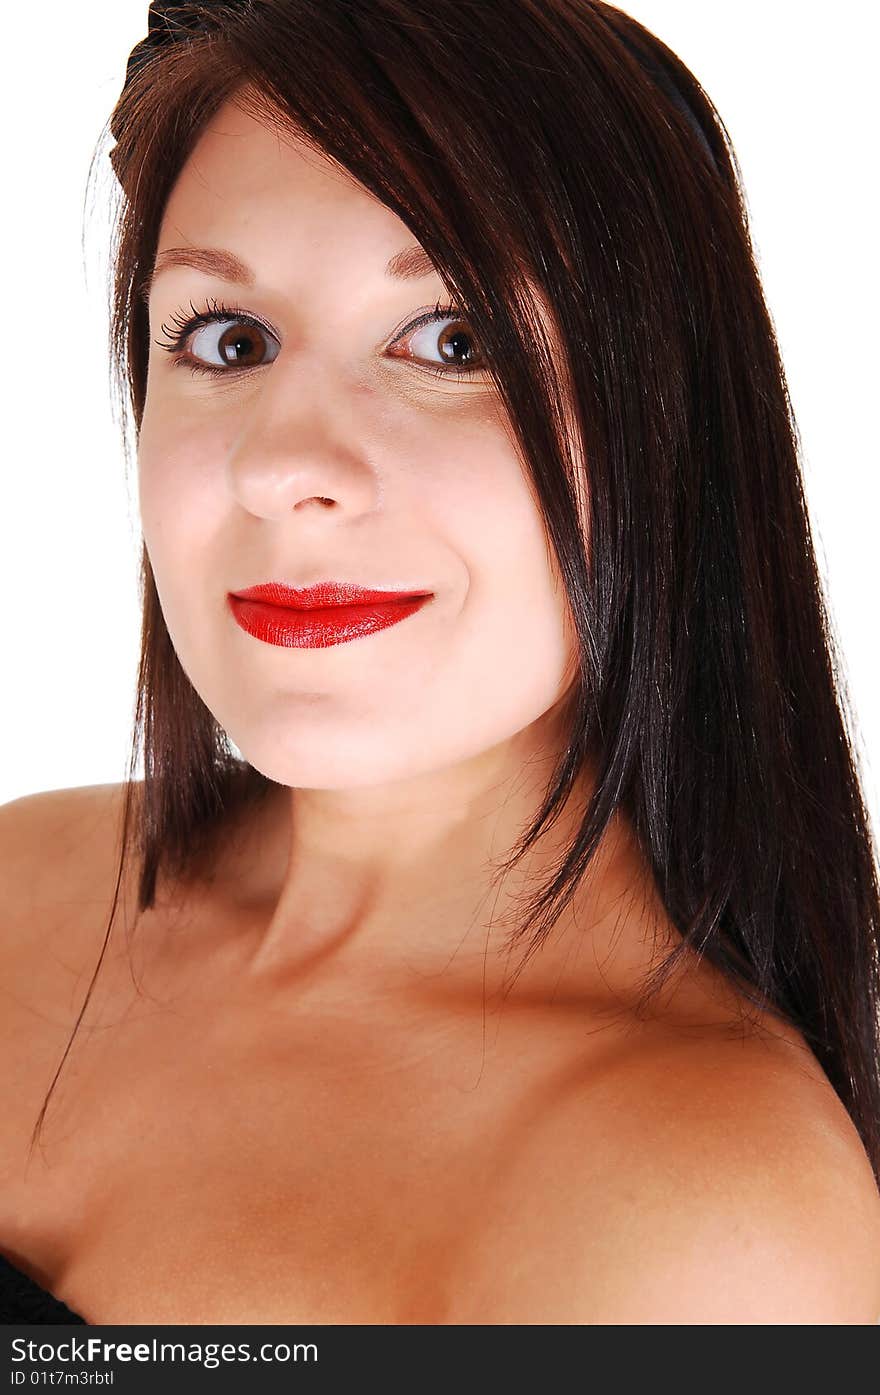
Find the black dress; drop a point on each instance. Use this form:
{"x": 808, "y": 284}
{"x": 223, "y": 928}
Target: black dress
{"x": 23, "y": 1300}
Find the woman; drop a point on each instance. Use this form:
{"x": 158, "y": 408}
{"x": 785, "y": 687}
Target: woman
{"x": 500, "y": 948}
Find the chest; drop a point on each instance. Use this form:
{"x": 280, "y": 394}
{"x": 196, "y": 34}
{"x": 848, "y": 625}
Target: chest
{"x": 202, "y": 1167}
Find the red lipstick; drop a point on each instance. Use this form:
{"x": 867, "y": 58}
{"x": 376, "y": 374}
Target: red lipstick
{"x": 314, "y": 617}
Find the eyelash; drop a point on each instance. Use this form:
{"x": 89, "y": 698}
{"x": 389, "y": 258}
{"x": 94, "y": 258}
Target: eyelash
{"x": 185, "y": 326}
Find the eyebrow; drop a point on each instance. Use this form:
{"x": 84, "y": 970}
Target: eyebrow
{"x": 410, "y": 264}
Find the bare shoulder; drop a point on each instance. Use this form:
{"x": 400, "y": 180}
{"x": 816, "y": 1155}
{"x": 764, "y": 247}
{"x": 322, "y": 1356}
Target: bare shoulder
{"x": 712, "y": 1182}
{"x": 58, "y": 863}
{"x": 760, "y": 1204}
{"x": 58, "y": 839}
{"x": 42, "y": 830}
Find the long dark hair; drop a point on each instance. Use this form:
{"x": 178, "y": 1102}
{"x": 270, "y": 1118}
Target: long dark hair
{"x": 555, "y": 150}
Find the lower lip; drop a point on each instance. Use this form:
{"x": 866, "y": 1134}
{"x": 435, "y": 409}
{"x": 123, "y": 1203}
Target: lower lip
{"x": 316, "y": 629}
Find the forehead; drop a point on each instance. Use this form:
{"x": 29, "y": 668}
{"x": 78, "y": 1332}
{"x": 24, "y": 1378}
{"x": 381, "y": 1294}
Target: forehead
{"x": 262, "y": 192}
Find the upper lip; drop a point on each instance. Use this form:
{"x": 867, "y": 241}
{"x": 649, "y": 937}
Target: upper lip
{"x": 323, "y": 593}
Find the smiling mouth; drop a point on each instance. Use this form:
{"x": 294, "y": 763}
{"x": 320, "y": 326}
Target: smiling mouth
{"x": 317, "y": 626}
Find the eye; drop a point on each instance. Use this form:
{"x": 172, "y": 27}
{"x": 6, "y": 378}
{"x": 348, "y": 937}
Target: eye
{"x": 238, "y": 343}
{"x": 219, "y": 340}
{"x": 454, "y": 343}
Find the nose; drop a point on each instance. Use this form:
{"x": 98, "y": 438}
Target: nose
{"x": 299, "y": 449}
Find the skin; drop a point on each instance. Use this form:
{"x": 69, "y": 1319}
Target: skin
{"x": 309, "y": 1088}
{"x": 412, "y": 756}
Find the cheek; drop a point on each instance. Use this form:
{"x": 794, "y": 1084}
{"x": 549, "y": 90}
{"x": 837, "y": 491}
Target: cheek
{"x": 184, "y": 519}
{"x": 180, "y": 503}
{"x": 516, "y": 641}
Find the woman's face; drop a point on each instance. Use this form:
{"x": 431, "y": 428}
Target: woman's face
{"x": 335, "y": 452}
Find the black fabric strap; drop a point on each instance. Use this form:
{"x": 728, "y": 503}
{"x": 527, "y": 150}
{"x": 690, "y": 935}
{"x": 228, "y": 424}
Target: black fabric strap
{"x": 23, "y": 1300}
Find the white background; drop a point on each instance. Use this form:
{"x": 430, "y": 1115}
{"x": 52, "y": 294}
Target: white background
{"x": 794, "y": 89}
